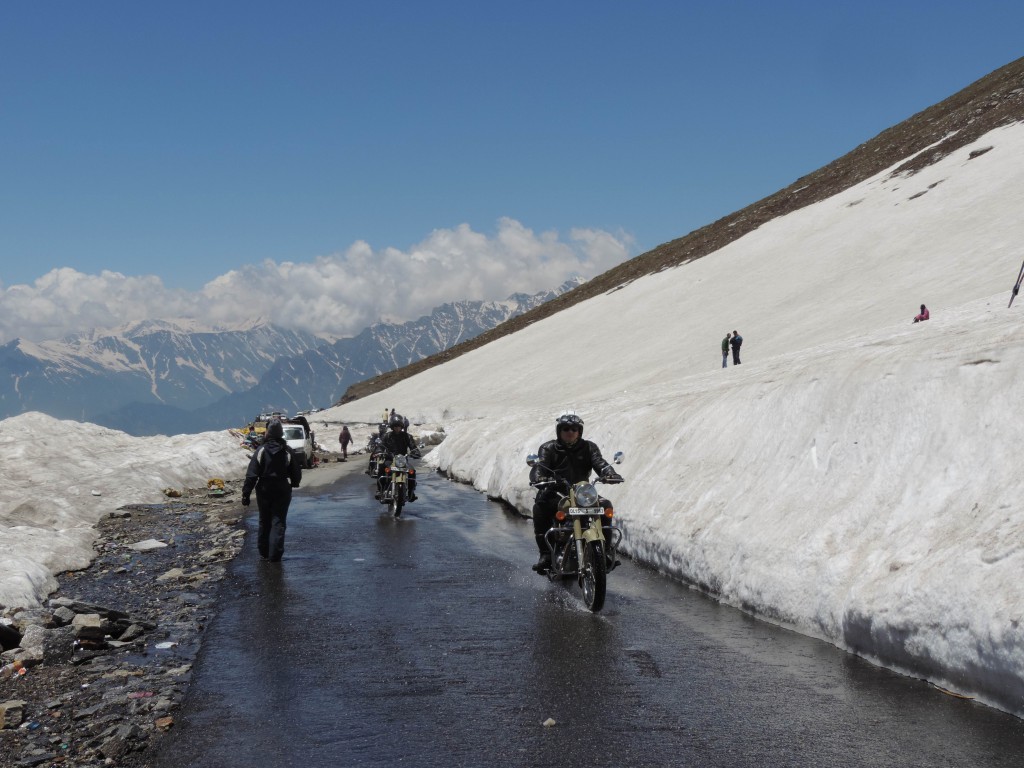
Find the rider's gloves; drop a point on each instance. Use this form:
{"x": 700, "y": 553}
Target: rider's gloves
{"x": 610, "y": 475}
{"x": 245, "y": 501}
{"x": 415, "y": 453}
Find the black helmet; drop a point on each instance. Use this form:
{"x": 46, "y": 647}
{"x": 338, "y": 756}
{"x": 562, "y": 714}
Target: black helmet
{"x": 568, "y": 419}
{"x": 396, "y": 420}
{"x": 275, "y": 430}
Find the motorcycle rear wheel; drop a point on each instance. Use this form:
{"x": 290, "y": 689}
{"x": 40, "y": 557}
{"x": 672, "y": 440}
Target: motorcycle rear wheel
{"x": 397, "y": 500}
{"x": 594, "y": 576}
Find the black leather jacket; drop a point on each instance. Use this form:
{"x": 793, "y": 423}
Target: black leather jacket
{"x": 570, "y": 463}
{"x": 400, "y": 442}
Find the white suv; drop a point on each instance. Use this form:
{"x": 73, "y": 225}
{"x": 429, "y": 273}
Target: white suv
{"x": 300, "y": 441}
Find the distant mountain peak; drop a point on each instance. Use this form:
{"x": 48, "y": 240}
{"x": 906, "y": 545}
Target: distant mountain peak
{"x": 175, "y": 375}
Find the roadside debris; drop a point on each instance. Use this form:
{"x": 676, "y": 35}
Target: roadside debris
{"x": 86, "y": 684}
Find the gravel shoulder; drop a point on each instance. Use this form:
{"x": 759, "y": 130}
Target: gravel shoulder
{"x": 108, "y": 659}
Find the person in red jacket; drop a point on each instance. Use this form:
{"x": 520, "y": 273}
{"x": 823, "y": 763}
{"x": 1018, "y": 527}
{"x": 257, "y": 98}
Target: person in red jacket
{"x": 923, "y": 315}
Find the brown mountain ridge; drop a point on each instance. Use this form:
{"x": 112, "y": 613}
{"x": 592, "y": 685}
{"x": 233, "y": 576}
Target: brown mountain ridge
{"x": 993, "y": 101}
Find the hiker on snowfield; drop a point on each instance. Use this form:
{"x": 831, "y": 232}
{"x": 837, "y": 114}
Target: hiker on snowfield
{"x": 736, "y": 342}
{"x": 273, "y": 472}
{"x": 725, "y": 350}
{"x": 923, "y": 316}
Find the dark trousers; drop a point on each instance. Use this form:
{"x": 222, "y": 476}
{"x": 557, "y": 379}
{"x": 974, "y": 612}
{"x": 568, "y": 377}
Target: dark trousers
{"x": 735, "y": 355}
{"x": 544, "y": 508}
{"x": 273, "y": 508}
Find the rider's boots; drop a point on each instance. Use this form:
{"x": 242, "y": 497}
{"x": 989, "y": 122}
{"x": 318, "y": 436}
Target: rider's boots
{"x": 544, "y": 563}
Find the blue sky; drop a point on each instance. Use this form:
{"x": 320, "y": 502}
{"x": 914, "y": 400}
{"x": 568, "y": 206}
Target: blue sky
{"x": 187, "y": 140}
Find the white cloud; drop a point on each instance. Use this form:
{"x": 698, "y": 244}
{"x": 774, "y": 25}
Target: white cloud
{"x": 339, "y": 294}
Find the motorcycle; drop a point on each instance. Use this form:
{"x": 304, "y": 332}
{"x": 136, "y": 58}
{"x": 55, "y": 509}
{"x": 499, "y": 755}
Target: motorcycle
{"x": 394, "y": 483}
{"x": 376, "y": 451}
{"x": 583, "y": 539}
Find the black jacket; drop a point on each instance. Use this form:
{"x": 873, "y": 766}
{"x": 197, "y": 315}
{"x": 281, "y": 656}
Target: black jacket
{"x": 570, "y": 463}
{"x": 400, "y": 442}
{"x": 272, "y": 468}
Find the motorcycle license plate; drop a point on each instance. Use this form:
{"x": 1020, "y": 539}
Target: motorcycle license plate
{"x": 399, "y": 478}
{"x": 584, "y": 512}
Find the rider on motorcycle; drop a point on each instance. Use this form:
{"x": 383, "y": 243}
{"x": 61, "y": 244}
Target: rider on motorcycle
{"x": 395, "y": 442}
{"x": 569, "y": 458}
{"x": 373, "y": 447}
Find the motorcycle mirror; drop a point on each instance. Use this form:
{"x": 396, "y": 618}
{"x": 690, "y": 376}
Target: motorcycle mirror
{"x": 532, "y": 459}
{"x": 618, "y": 457}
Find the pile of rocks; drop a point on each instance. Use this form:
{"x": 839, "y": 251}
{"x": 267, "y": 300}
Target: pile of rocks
{"x": 99, "y": 672}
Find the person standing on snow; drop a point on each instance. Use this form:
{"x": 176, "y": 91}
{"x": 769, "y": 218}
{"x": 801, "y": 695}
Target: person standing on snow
{"x": 273, "y": 472}
{"x": 736, "y": 343}
{"x": 725, "y": 350}
{"x": 923, "y": 316}
{"x": 344, "y": 438}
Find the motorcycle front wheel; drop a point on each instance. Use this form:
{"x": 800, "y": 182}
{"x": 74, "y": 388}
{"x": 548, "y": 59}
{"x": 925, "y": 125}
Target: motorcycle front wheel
{"x": 594, "y": 576}
{"x": 397, "y": 500}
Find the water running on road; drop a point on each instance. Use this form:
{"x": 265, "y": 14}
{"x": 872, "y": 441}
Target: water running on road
{"x": 427, "y": 641}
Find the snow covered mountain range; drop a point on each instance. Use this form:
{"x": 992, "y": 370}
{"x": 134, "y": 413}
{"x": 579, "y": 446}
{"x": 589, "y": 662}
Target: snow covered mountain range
{"x": 166, "y": 377}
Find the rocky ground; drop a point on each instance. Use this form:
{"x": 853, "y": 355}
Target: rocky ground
{"x": 106, "y": 662}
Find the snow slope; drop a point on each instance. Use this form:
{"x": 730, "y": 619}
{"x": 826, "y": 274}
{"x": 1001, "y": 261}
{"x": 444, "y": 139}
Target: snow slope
{"x": 855, "y": 478}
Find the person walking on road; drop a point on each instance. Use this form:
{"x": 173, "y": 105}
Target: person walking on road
{"x": 725, "y": 350}
{"x": 344, "y": 438}
{"x": 273, "y": 472}
{"x": 736, "y": 342}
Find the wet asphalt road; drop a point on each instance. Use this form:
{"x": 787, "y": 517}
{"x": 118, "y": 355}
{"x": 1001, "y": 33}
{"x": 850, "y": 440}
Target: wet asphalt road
{"x": 429, "y": 642}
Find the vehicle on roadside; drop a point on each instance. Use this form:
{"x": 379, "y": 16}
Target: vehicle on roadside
{"x": 299, "y": 438}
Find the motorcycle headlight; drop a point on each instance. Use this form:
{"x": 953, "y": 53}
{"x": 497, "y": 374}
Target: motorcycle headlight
{"x": 586, "y": 495}
{"x": 401, "y": 462}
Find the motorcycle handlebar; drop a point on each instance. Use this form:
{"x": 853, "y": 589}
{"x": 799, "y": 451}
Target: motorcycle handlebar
{"x": 549, "y": 483}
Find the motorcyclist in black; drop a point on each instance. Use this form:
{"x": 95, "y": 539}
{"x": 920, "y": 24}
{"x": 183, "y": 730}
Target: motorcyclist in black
{"x": 571, "y": 459}
{"x": 373, "y": 447}
{"x": 395, "y": 442}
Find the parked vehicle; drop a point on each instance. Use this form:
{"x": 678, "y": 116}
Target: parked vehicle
{"x": 299, "y": 438}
